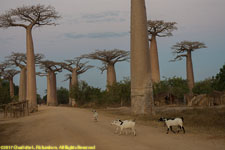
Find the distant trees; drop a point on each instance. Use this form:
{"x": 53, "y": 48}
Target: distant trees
{"x": 29, "y": 17}
{"x": 76, "y": 67}
{"x": 117, "y": 95}
{"x": 184, "y": 49}
{"x": 9, "y": 75}
{"x": 109, "y": 58}
{"x": 161, "y": 29}
{"x": 20, "y": 60}
{"x": 51, "y": 68}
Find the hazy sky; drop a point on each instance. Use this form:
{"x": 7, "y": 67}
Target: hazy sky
{"x": 87, "y": 25}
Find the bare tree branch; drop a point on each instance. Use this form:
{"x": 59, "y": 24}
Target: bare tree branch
{"x": 20, "y": 59}
{"x": 160, "y": 28}
{"x": 182, "y": 48}
{"x": 41, "y": 74}
{"x": 48, "y": 65}
{"x": 68, "y": 77}
{"x": 26, "y": 16}
{"x": 9, "y": 74}
{"x": 109, "y": 56}
{"x": 71, "y": 64}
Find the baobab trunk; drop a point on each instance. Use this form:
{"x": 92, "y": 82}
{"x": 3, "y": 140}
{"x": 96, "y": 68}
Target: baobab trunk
{"x": 70, "y": 87}
{"x": 23, "y": 82}
{"x": 54, "y": 91}
{"x": 154, "y": 60}
{"x": 190, "y": 73}
{"x": 51, "y": 91}
{"x": 74, "y": 77}
{"x": 111, "y": 75}
{"x": 141, "y": 86}
{"x": 74, "y": 83}
{"x": 11, "y": 88}
{"x": 31, "y": 74}
{"x": 49, "y": 80}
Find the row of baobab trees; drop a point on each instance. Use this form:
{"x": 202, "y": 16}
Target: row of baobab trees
{"x": 144, "y": 58}
{"x": 50, "y": 68}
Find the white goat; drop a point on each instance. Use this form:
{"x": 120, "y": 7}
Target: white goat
{"x": 126, "y": 124}
{"x": 173, "y": 122}
{"x": 95, "y": 115}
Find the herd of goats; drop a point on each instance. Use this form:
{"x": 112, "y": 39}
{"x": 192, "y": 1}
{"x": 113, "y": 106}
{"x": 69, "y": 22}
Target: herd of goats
{"x": 125, "y": 126}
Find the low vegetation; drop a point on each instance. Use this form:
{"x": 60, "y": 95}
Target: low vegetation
{"x": 117, "y": 95}
{"x": 4, "y": 92}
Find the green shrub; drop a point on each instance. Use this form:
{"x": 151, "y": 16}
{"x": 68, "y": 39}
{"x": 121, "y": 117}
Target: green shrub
{"x": 83, "y": 93}
{"x": 203, "y": 87}
{"x": 119, "y": 93}
{"x": 219, "y": 80}
{"x": 4, "y": 92}
{"x": 62, "y": 95}
{"x": 175, "y": 86}
{"x": 116, "y": 95}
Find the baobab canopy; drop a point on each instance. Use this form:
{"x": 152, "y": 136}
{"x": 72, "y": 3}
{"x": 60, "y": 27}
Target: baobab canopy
{"x": 185, "y": 46}
{"x": 29, "y": 15}
{"x": 109, "y": 58}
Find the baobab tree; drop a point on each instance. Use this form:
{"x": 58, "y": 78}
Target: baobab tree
{"x": 69, "y": 77}
{"x": 29, "y": 17}
{"x": 20, "y": 60}
{"x": 76, "y": 67}
{"x": 184, "y": 49}
{"x": 109, "y": 58}
{"x": 161, "y": 29}
{"x": 141, "y": 85}
{"x": 9, "y": 75}
{"x": 51, "y": 68}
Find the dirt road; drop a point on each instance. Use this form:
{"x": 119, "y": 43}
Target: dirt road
{"x": 73, "y": 126}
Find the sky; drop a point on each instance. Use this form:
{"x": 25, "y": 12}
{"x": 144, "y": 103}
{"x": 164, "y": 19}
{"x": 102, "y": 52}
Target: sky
{"x": 88, "y": 25}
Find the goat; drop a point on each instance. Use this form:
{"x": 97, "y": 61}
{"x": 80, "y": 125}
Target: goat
{"x": 173, "y": 122}
{"x": 126, "y": 124}
{"x": 95, "y": 115}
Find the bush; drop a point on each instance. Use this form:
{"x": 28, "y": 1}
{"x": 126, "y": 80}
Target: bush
{"x": 4, "y": 92}
{"x": 203, "y": 87}
{"x": 117, "y": 94}
{"x": 63, "y": 96}
{"x": 219, "y": 80}
{"x": 83, "y": 93}
{"x": 176, "y": 87}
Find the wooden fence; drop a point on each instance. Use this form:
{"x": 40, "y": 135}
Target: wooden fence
{"x": 15, "y": 109}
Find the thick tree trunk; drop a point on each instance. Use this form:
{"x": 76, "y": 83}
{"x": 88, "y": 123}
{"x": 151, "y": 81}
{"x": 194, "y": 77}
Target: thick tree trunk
{"x": 111, "y": 75}
{"x": 154, "y": 60}
{"x": 190, "y": 73}
{"x": 31, "y": 74}
{"x": 11, "y": 88}
{"x": 49, "y": 80}
{"x": 74, "y": 83}
{"x": 74, "y": 77}
{"x": 51, "y": 89}
{"x": 23, "y": 82}
{"x": 70, "y": 87}
{"x": 55, "y": 101}
{"x": 141, "y": 86}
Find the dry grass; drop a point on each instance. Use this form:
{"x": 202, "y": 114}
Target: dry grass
{"x": 196, "y": 120}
